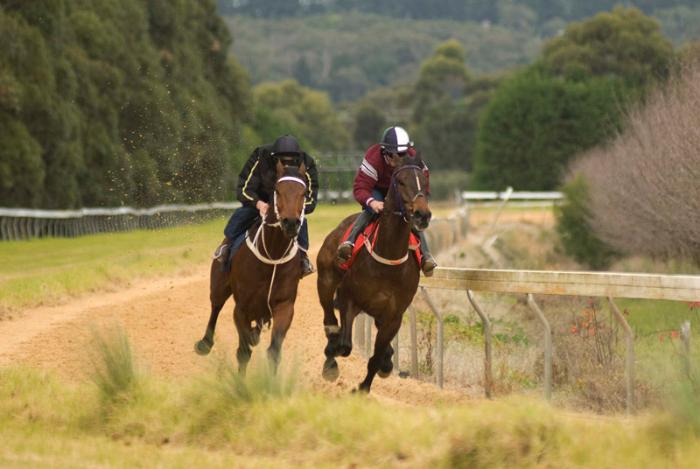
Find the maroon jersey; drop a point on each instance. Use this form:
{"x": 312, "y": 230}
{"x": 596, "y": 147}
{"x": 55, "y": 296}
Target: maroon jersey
{"x": 375, "y": 173}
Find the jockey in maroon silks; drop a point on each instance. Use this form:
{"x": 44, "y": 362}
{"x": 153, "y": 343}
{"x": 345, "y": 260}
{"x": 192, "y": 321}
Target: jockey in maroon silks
{"x": 372, "y": 183}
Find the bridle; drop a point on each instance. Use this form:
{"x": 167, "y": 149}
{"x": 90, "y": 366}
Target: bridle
{"x": 395, "y": 189}
{"x": 293, "y": 246}
{"x": 289, "y": 253}
{"x": 401, "y": 212}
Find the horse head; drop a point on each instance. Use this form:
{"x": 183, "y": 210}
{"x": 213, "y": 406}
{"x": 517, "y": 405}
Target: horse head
{"x": 289, "y": 198}
{"x": 408, "y": 192}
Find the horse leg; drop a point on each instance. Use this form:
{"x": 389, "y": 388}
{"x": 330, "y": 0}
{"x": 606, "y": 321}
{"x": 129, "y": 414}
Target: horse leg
{"x": 244, "y": 340}
{"x": 219, "y": 292}
{"x": 281, "y": 320}
{"x": 327, "y": 284}
{"x": 385, "y": 333}
{"x": 347, "y": 317}
{"x": 203, "y": 346}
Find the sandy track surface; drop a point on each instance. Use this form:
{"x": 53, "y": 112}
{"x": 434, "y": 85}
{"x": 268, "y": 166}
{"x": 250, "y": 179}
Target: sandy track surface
{"x": 165, "y": 317}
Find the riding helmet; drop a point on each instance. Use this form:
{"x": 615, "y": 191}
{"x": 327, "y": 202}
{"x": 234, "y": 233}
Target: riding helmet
{"x": 395, "y": 140}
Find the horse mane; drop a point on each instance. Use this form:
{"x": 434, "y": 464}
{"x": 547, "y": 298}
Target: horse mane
{"x": 416, "y": 160}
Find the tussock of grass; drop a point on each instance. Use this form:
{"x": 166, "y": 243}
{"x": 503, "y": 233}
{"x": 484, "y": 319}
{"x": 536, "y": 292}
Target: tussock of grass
{"x": 115, "y": 373}
{"x": 272, "y": 420}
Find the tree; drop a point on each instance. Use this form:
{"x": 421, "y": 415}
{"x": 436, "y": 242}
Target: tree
{"x": 308, "y": 113}
{"x": 535, "y": 123}
{"x": 369, "y": 123}
{"x": 106, "y": 103}
{"x": 623, "y": 43}
{"x": 446, "y": 107}
{"x": 570, "y": 100}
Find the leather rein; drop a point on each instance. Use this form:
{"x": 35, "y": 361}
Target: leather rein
{"x": 400, "y": 212}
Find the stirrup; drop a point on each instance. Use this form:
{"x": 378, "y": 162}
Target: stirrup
{"x": 341, "y": 253}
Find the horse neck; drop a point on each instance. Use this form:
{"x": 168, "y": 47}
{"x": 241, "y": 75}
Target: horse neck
{"x": 392, "y": 239}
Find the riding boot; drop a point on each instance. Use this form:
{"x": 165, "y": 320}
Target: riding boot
{"x": 345, "y": 248}
{"x": 221, "y": 252}
{"x": 307, "y": 268}
{"x": 429, "y": 263}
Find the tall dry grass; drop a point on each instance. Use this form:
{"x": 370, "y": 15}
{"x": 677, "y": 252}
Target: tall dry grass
{"x": 645, "y": 185}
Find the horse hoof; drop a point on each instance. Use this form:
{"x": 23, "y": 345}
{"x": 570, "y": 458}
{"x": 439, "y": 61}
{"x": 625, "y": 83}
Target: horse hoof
{"x": 331, "y": 371}
{"x": 384, "y": 374}
{"x": 202, "y": 347}
{"x": 344, "y": 350}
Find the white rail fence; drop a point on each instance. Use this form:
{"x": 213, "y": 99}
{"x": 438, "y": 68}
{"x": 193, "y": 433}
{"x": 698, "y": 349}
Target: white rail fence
{"x": 16, "y": 224}
{"x": 531, "y": 283}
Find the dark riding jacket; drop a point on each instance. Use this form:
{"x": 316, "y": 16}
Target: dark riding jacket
{"x": 257, "y": 179}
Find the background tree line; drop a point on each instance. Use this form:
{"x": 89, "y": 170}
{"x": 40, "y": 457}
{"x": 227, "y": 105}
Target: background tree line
{"x": 109, "y": 103}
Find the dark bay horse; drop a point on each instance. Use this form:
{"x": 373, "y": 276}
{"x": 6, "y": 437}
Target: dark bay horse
{"x": 381, "y": 283}
{"x": 265, "y": 273}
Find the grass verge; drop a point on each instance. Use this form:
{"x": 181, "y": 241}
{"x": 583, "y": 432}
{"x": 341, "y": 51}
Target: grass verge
{"x": 48, "y": 270}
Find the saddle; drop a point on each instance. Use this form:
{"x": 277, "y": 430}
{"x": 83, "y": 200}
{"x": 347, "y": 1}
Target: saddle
{"x": 369, "y": 234}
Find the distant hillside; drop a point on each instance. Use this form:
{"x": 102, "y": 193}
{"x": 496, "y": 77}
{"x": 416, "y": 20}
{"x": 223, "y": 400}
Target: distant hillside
{"x": 337, "y": 47}
{"x": 348, "y": 55}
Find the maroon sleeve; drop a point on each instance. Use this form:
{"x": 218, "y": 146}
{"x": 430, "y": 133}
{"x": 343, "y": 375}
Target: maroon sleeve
{"x": 362, "y": 187}
{"x": 367, "y": 176}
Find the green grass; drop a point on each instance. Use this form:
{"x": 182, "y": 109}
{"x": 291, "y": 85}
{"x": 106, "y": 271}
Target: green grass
{"x": 44, "y": 422}
{"x": 46, "y": 271}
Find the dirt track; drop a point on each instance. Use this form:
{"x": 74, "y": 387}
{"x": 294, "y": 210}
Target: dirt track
{"x": 164, "y": 318}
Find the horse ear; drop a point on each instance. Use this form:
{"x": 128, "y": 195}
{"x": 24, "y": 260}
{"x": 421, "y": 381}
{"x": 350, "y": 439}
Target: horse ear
{"x": 280, "y": 169}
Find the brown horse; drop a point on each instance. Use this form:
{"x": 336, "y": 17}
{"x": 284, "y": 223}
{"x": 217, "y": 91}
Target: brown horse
{"x": 265, "y": 273}
{"x": 382, "y": 282}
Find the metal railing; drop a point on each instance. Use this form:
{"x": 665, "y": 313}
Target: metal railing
{"x": 16, "y": 224}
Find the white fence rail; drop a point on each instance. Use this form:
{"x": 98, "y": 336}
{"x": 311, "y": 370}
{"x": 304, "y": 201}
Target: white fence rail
{"x": 16, "y": 224}
{"x": 600, "y": 284}
{"x": 476, "y": 196}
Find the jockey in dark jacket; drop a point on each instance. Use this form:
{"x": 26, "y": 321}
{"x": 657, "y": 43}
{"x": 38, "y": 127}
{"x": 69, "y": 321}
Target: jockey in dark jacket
{"x": 256, "y": 184}
{"x": 372, "y": 184}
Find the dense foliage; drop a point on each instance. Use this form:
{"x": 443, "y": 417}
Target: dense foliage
{"x": 352, "y": 54}
{"x": 110, "y": 103}
{"x": 573, "y": 226}
{"x": 542, "y": 14}
{"x": 572, "y": 99}
{"x": 447, "y": 102}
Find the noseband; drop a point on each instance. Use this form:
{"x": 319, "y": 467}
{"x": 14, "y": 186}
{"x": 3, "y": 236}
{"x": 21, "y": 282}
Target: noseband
{"x": 291, "y": 250}
{"x": 274, "y": 202}
{"x": 394, "y": 187}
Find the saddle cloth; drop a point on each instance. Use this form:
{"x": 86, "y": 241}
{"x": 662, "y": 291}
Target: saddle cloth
{"x": 370, "y": 233}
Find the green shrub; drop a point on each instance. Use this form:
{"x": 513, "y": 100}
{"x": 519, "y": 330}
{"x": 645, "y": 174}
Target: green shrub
{"x": 574, "y": 230}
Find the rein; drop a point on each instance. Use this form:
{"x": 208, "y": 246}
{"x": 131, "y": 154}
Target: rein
{"x": 394, "y": 187}
{"x": 292, "y": 248}
{"x": 401, "y": 212}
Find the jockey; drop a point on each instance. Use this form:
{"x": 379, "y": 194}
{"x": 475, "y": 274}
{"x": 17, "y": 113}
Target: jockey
{"x": 372, "y": 184}
{"x": 256, "y": 184}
